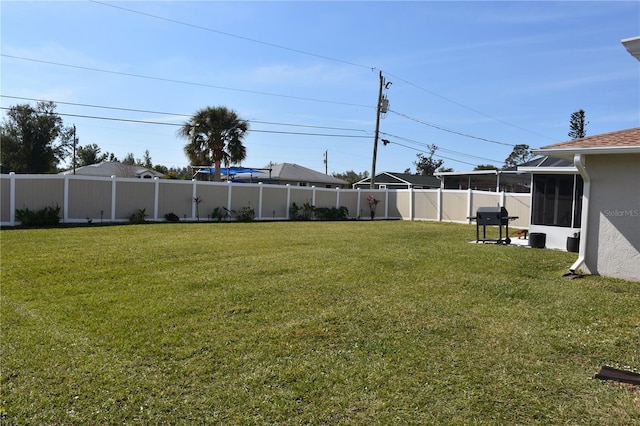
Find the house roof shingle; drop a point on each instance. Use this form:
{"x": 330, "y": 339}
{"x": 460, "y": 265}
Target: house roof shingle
{"x": 295, "y": 172}
{"x": 289, "y": 172}
{"x": 628, "y": 137}
{"x": 113, "y": 168}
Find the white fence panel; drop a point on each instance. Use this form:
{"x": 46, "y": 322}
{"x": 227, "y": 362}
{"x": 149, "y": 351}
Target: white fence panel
{"x": 86, "y": 198}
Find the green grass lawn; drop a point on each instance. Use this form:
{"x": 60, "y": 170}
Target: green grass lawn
{"x": 384, "y": 322}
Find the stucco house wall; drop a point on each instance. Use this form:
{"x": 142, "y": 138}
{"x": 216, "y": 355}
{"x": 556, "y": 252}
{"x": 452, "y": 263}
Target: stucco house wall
{"x": 613, "y": 242}
{"x": 609, "y": 165}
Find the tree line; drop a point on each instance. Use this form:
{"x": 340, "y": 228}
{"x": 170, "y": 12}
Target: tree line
{"x": 35, "y": 140}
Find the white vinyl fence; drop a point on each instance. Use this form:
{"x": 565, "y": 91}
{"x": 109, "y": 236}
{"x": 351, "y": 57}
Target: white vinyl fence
{"x": 101, "y": 199}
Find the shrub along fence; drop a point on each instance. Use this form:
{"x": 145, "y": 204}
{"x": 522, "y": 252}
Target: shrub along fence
{"x": 83, "y": 199}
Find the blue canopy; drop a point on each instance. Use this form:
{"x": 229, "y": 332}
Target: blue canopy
{"x": 224, "y": 171}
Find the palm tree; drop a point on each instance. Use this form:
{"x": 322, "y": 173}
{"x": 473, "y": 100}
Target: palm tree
{"x": 215, "y": 136}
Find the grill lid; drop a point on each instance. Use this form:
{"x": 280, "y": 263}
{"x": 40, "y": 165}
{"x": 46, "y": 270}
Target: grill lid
{"x": 500, "y": 211}
{"x": 491, "y": 215}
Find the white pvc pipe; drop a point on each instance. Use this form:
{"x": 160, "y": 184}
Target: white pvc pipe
{"x": 582, "y": 252}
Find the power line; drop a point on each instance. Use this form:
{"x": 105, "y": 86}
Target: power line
{"x": 94, "y": 106}
{"x": 191, "y": 83}
{"x": 468, "y": 107}
{"x": 252, "y": 121}
{"x": 177, "y": 114}
{"x": 245, "y": 91}
{"x": 440, "y": 148}
{"x": 199, "y": 27}
{"x": 299, "y": 51}
{"x": 449, "y": 130}
{"x": 435, "y": 155}
{"x": 304, "y": 52}
{"x": 128, "y": 120}
{"x": 309, "y": 134}
{"x": 262, "y": 131}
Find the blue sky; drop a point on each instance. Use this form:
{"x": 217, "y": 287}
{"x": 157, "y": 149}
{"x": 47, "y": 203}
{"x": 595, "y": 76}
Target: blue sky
{"x": 473, "y": 78}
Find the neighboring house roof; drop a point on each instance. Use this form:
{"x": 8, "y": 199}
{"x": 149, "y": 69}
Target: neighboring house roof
{"x": 288, "y": 173}
{"x": 618, "y": 142}
{"x": 538, "y": 162}
{"x": 548, "y": 164}
{"x": 542, "y": 162}
{"x": 511, "y": 179}
{"x": 402, "y": 179}
{"x": 114, "y": 168}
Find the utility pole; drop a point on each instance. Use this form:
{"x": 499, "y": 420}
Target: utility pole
{"x": 326, "y": 162}
{"x": 383, "y": 103}
{"x": 74, "y": 149}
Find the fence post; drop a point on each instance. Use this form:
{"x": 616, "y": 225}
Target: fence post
{"x": 194, "y": 194}
{"x": 359, "y": 210}
{"x": 65, "y": 199}
{"x": 113, "y": 198}
{"x": 440, "y": 206}
{"x": 469, "y": 204}
{"x": 337, "y": 197}
{"x": 229, "y": 187}
{"x": 259, "y": 200}
{"x": 411, "y": 203}
{"x": 12, "y": 198}
{"x": 156, "y": 197}
{"x": 288, "y": 200}
{"x": 313, "y": 195}
{"x": 386, "y": 202}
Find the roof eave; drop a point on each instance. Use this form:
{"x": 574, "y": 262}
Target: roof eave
{"x": 472, "y": 172}
{"x": 633, "y": 46}
{"x": 604, "y": 150}
{"x": 549, "y": 170}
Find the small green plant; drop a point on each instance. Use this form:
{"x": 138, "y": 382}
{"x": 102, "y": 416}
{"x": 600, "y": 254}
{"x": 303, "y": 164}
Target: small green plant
{"x": 219, "y": 214}
{"x": 332, "y": 213}
{"x": 47, "y": 216}
{"x": 245, "y": 214}
{"x": 197, "y": 200}
{"x": 294, "y": 211}
{"x": 172, "y": 217}
{"x": 304, "y": 212}
{"x": 308, "y": 211}
{"x": 139, "y": 216}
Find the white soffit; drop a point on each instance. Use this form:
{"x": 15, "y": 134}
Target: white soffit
{"x": 633, "y": 46}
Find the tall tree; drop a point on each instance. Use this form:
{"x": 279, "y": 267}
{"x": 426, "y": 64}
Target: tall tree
{"x": 577, "y": 124}
{"x": 147, "y": 160}
{"x": 351, "y": 177}
{"x": 90, "y": 154}
{"x": 485, "y": 167}
{"x": 34, "y": 139}
{"x": 129, "y": 159}
{"x": 520, "y": 154}
{"x": 214, "y": 137}
{"x": 427, "y": 165}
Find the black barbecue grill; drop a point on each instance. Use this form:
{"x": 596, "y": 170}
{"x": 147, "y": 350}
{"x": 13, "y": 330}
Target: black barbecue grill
{"x": 492, "y": 216}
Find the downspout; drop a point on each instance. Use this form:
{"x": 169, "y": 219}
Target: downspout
{"x": 578, "y": 161}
